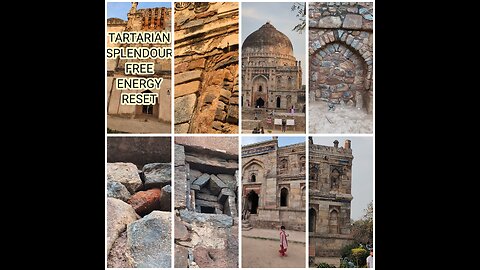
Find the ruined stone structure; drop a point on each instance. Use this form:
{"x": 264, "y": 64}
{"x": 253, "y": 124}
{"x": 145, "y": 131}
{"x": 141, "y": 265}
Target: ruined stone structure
{"x": 206, "y": 203}
{"x": 341, "y": 53}
{"x": 271, "y": 79}
{"x": 139, "y": 203}
{"x": 206, "y": 67}
{"x": 150, "y": 19}
{"x": 273, "y": 185}
{"x": 330, "y": 183}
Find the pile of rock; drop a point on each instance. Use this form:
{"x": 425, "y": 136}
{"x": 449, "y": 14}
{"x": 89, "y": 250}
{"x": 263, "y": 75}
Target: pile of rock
{"x": 138, "y": 215}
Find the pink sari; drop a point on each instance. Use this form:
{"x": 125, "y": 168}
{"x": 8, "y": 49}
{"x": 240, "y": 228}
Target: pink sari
{"x": 283, "y": 243}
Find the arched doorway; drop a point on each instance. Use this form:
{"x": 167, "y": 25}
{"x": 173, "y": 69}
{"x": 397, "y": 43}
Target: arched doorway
{"x": 278, "y": 101}
{"x": 252, "y": 198}
{"x": 147, "y": 109}
{"x": 260, "y": 103}
{"x": 312, "y": 220}
{"x": 333, "y": 222}
{"x": 284, "y": 197}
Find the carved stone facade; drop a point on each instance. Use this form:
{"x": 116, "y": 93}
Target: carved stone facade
{"x": 330, "y": 196}
{"x": 271, "y": 81}
{"x": 206, "y": 67}
{"x": 206, "y": 189}
{"x": 341, "y": 53}
{"x": 271, "y": 76}
{"x": 273, "y": 185}
{"x": 141, "y": 20}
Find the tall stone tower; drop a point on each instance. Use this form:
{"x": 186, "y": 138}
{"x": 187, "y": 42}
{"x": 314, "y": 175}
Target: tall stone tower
{"x": 330, "y": 198}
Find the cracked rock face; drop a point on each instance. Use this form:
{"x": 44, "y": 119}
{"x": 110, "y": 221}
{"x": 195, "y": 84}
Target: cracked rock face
{"x": 206, "y": 69}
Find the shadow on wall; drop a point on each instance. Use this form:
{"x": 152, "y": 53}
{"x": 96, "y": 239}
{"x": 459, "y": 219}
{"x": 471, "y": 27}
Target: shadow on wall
{"x": 139, "y": 150}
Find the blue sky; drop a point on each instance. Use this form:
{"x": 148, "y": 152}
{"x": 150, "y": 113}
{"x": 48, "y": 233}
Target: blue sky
{"x": 282, "y": 141}
{"x": 280, "y": 15}
{"x": 120, "y": 9}
{"x": 362, "y": 170}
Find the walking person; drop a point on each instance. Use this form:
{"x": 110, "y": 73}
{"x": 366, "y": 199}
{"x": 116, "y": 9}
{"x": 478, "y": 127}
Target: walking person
{"x": 284, "y": 125}
{"x": 370, "y": 260}
{"x": 283, "y": 242}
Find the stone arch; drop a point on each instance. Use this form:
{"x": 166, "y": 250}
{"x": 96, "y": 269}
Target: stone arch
{"x": 252, "y": 202}
{"x": 354, "y": 43}
{"x": 304, "y": 196}
{"x": 284, "y": 164}
{"x": 147, "y": 109}
{"x": 284, "y": 197}
{"x": 260, "y": 91}
{"x": 302, "y": 164}
{"x": 350, "y": 76}
{"x": 333, "y": 225}
{"x": 312, "y": 220}
{"x": 253, "y": 178}
{"x": 289, "y": 102}
{"x": 279, "y": 101}
{"x": 253, "y": 166}
{"x": 335, "y": 179}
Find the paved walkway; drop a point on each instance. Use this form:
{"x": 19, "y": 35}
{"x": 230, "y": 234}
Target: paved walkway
{"x": 294, "y": 236}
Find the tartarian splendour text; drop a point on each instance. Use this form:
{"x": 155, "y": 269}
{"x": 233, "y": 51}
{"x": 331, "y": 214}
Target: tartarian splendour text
{"x": 139, "y": 68}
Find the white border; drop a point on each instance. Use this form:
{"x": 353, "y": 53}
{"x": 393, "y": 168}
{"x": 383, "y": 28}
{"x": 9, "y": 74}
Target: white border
{"x": 240, "y": 135}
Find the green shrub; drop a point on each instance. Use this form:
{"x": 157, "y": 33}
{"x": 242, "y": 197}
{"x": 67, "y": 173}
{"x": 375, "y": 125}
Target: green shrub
{"x": 325, "y": 265}
{"x": 360, "y": 254}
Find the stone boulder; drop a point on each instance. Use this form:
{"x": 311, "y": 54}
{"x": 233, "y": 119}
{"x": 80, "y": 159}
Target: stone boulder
{"x": 219, "y": 221}
{"x": 166, "y": 198}
{"x": 157, "y": 175}
{"x": 145, "y": 202}
{"x": 149, "y": 240}
{"x": 181, "y": 257}
{"x": 119, "y": 215}
{"x": 119, "y": 256}
{"x": 126, "y": 174}
{"x": 213, "y": 258}
{"x": 181, "y": 232}
{"x": 118, "y": 191}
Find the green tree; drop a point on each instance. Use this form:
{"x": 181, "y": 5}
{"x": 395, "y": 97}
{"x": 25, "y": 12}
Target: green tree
{"x": 301, "y": 10}
{"x": 362, "y": 229}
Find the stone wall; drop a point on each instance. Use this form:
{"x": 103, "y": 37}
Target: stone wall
{"x": 341, "y": 53}
{"x": 264, "y": 174}
{"x": 330, "y": 180}
{"x": 206, "y": 67}
{"x": 206, "y": 190}
{"x": 139, "y": 150}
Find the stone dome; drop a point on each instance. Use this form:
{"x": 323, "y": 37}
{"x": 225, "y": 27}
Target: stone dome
{"x": 267, "y": 39}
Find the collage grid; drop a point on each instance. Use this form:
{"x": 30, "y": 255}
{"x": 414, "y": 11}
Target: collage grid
{"x": 337, "y": 98}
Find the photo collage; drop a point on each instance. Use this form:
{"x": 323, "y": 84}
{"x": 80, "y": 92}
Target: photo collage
{"x": 239, "y": 134}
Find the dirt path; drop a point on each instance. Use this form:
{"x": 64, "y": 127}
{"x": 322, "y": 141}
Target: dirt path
{"x": 137, "y": 125}
{"x": 264, "y": 253}
{"x": 343, "y": 120}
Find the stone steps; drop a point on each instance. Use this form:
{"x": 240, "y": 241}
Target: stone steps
{"x": 246, "y": 226}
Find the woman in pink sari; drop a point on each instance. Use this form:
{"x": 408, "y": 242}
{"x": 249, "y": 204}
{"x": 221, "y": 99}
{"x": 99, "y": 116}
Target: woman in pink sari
{"x": 283, "y": 241}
